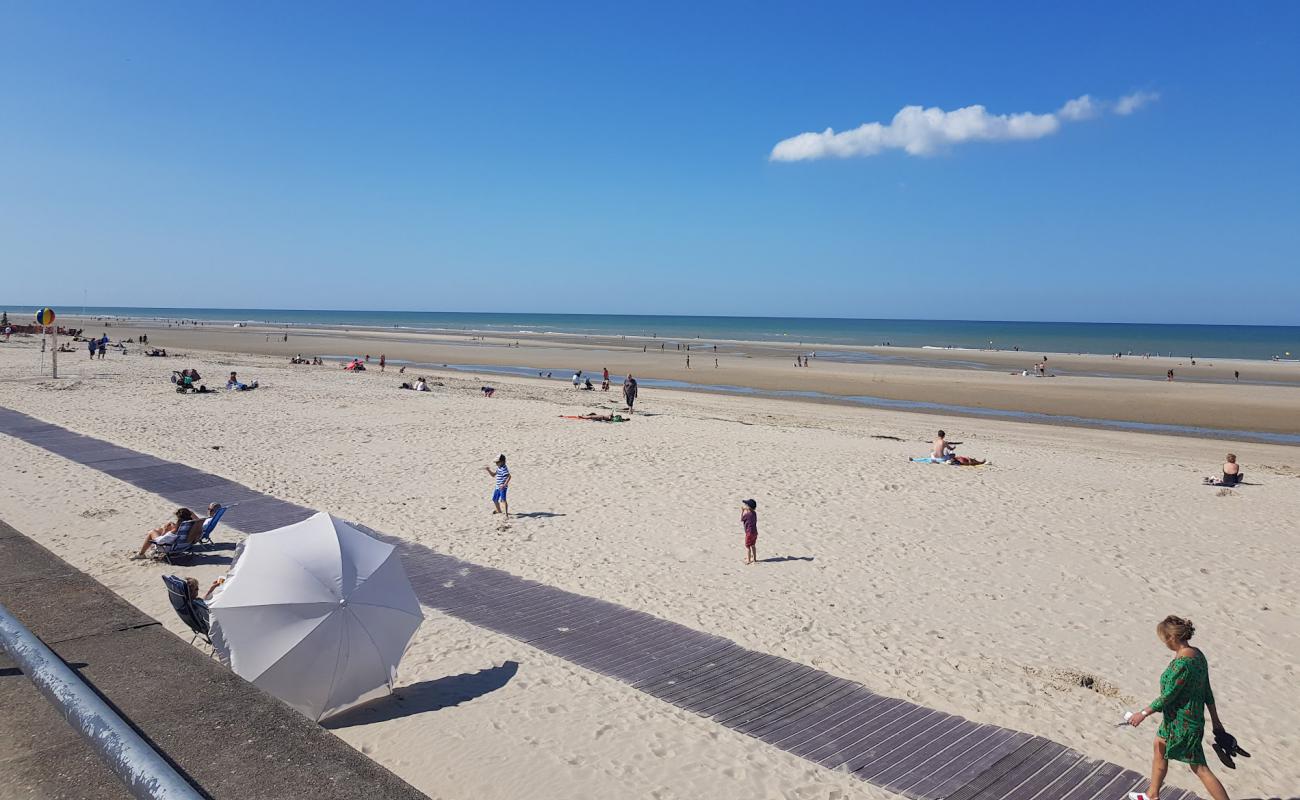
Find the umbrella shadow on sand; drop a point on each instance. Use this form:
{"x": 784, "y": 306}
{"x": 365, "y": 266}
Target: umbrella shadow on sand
{"x": 425, "y": 696}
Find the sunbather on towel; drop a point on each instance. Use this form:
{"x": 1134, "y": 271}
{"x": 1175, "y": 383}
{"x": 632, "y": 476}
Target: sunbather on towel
{"x": 1232, "y": 474}
{"x": 942, "y": 450}
{"x": 166, "y": 534}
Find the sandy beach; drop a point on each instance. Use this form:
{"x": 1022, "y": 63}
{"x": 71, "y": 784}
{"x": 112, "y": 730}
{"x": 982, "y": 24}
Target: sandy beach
{"x": 1130, "y": 389}
{"x": 1023, "y": 593}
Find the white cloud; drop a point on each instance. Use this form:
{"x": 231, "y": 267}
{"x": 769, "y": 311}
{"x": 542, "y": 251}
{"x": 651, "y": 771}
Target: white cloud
{"x": 1132, "y": 102}
{"x": 1080, "y": 108}
{"x": 925, "y": 131}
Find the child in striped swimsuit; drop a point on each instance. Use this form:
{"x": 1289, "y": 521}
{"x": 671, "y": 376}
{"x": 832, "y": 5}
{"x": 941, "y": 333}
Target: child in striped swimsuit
{"x": 502, "y": 475}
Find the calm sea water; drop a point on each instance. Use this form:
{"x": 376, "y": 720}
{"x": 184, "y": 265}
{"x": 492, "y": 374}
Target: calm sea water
{"x": 1222, "y": 341}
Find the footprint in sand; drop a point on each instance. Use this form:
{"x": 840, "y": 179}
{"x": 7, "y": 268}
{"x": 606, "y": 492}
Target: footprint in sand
{"x": 98, "y": 513}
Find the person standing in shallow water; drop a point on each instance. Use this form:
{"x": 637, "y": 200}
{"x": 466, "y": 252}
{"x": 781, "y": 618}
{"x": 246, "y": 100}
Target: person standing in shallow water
{"x": 1185, "y": 694}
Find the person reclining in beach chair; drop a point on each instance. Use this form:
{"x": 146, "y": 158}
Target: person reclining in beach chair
{"x": 215, "y": 512}
{"x": 183, "y": 593}
{"x": 1232, "y": 474}
{"x": 168, "y": 534}
{"x": 187, "y": 539}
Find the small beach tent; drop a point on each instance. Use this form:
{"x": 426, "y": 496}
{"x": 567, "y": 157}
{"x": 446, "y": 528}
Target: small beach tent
{"x": 317, "y": 614}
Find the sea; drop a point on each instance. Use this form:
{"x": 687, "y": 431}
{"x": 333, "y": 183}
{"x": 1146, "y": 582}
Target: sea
{"x": 1203, "y": 341}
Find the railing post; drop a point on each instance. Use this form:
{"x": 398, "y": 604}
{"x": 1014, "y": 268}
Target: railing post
{"x": 145, "y": 772}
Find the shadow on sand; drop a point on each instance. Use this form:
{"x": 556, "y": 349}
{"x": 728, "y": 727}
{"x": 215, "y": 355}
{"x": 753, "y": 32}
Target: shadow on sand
{"x": 425, "y": 696}
{"x": 537, "y": 515}
{"x": 783, "y": 559}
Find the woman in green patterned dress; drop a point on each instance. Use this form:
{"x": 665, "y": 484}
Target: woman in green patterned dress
{"x": 1184, "y": 695}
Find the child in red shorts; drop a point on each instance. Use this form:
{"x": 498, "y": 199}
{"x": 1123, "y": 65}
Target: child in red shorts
{"x": 749, "y": 522}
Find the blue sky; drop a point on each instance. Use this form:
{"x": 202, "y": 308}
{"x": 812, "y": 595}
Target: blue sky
{"x": 614, "y": 158}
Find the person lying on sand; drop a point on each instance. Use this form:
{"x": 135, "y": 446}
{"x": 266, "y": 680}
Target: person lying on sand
{"x": 1232, "y": 474}
{"x": 594, "y": 417}
{"x": 166, "y": 534}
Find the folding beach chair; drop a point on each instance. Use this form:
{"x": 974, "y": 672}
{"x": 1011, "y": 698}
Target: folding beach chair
{"x": 210, "y": 524}
{"x": 194, "y": 613}
{"x": 181, "y": 546}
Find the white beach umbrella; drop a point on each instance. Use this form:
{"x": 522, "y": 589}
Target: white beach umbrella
{"x": 316, "y": 613}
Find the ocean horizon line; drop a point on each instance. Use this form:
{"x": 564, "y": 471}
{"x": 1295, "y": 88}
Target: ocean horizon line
{"x": 71, "y": 310}
{"x": 1194, "y": 340}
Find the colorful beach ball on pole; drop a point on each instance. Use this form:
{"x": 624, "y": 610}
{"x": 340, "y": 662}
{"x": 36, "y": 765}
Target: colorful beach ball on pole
{"x": 45, "y": 316}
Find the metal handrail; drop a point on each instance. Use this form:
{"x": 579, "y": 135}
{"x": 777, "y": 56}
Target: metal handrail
{"x": 145, "y": 772}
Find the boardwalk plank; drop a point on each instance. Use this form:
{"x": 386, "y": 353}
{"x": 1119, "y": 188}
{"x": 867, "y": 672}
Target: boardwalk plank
{"x": 948, "y": 732}
{"x": 800, "y": 692}
{"x": 896, "y": 731}
{"x": 751, "y": 701}
{"x": 1048, "y": 762}
{"x": 969, "y": 764}
{"x": 968, "y": 790}
{"x": 781, "y": 718}
{"x": 936, "y": 760}
{"x": 825, "y": 727}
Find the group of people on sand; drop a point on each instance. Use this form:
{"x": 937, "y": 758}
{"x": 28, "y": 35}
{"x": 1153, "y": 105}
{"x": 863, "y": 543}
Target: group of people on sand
{"x": 98, "y": 346}
{"x": 314, "y": 361}
{"x": 189, "y": 380}
{"x": 418, "y": 385}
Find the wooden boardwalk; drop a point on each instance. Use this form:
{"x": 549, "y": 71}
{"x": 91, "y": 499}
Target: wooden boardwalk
{"x": 905, "y": 748}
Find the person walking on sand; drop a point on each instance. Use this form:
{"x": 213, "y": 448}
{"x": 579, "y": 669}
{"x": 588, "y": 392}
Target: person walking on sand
{"x": 1185, "y": 694}
{"x": 749, "y": 524}
{"x": 629, "y": 392}
{"x": 502, "y": 475}
{"x": 383, "y": 359}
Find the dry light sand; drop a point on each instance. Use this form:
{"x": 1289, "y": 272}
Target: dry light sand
{"x": 993, "y": 592}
